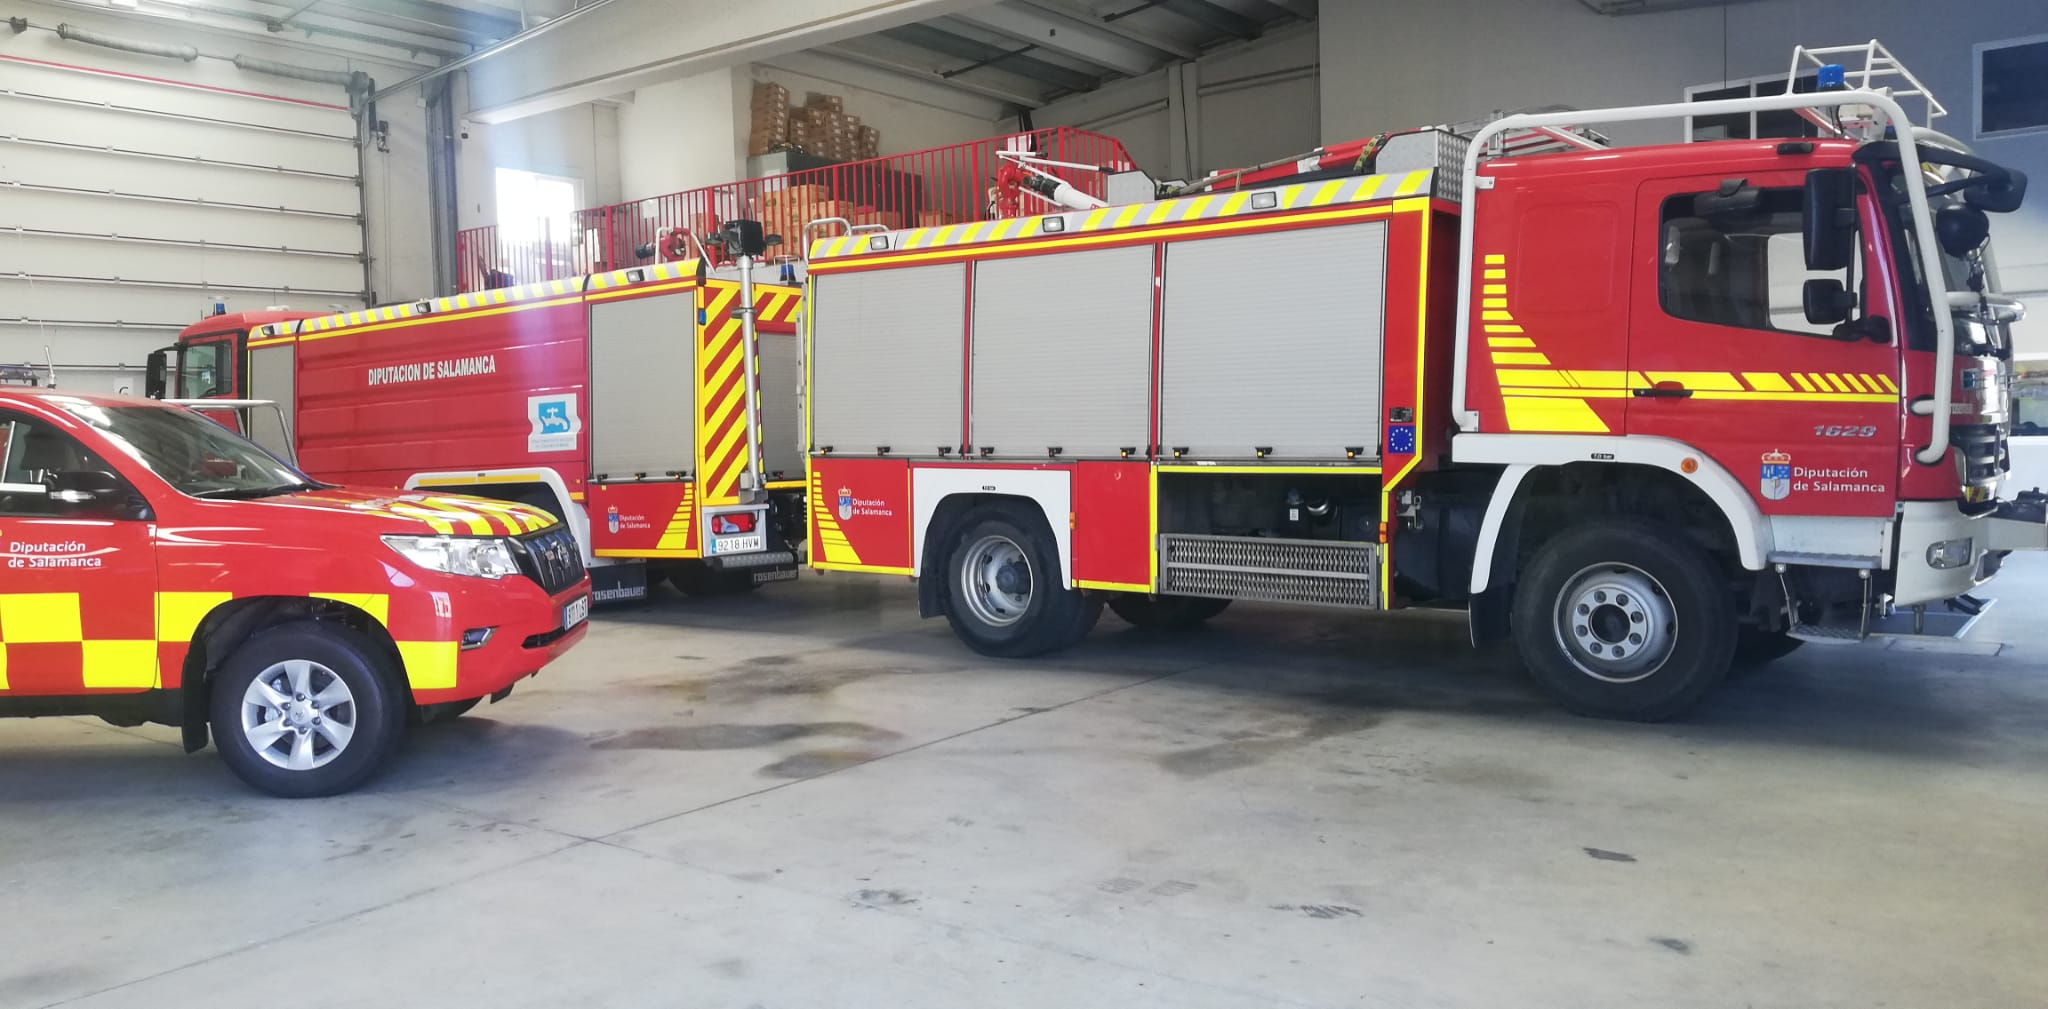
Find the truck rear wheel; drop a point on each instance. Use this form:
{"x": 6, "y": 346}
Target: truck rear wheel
{"x": 1166, "y": 612}
{"x": 306, "y": 709}
{"x": 1003, "y": 592}
{"x": 1624, "y": 619}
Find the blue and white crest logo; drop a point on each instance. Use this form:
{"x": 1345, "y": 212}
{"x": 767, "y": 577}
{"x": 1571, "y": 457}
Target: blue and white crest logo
{"x": 1776, "y": 483}
{"x": 845, "y": 502}
{"x": 552, "y": 423}
{"x": 611, "y": 519}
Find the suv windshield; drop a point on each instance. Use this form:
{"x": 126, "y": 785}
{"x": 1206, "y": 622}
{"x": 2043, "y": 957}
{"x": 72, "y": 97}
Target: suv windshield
{"x": 191, "y": 453}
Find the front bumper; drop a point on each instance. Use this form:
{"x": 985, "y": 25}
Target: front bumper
{"x": 526, "y": 634}
{"x": 1925, "y": 525}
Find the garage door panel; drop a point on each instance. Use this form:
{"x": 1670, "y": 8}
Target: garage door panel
{"x": 74, "y": 257}
{"x": 98, "y": 215}
{"x": 46, "y": 122}
{"x": 137, "y": 303}
{"x": 143, "y": 176}
{"x": 193, "y": 102}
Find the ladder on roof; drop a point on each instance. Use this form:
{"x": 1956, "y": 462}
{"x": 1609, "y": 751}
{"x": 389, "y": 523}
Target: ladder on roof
{"x": 1878, "y": 71}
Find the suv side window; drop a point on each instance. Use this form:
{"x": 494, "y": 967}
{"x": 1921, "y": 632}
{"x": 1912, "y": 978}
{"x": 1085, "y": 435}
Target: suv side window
{"x": 31, "y": 451}
{"x": 1744, "y": 269}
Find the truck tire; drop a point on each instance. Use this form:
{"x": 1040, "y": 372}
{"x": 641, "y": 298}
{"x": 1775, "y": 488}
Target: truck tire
{"x": 1003, "y": 596}
{"x": 1166, "y": 612}
{"x": 1654, "y": 607}
{"x": 306, "y": 709}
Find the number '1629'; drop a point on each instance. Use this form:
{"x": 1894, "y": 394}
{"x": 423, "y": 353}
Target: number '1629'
{"x": 1844, "y": 431}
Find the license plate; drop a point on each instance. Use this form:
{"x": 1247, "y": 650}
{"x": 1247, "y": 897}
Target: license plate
{"x": 576, "y": 612}
{"x": 737, "y": 544}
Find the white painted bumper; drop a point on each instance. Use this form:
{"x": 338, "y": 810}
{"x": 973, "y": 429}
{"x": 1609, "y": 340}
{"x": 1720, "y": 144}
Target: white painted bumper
{"x": 1923, "y": 524}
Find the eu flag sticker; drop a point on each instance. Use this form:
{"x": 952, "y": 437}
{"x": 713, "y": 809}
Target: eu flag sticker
{"x": 1400, "y": 439}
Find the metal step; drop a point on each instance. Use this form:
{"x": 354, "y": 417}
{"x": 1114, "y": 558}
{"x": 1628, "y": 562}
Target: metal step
{"x": 1935, "y": 620}
{"x": 1311, "y": 572}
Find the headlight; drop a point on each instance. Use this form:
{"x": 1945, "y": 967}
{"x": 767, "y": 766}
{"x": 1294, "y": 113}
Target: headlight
{"x": 1951, "y": 553}
{"x": 458, "y": 555}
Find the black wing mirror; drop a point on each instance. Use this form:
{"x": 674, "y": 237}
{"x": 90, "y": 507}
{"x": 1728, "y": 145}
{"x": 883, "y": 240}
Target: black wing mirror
{"x": 1829, "y": 213}
{"x": 1960, "y": 230}
{"x": 1826, "y": 301}
{"x": 156, "y": 376}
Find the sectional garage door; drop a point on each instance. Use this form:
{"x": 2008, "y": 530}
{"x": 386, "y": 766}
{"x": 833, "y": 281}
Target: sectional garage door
{"x": 136, "y": 196}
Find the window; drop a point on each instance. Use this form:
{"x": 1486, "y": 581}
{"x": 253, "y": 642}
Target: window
{"x": 1745, "y": 268}
{"x": 206, "y": 369}
{"x": 1748, "y": 125}
{"x": 2030, "y": 398}
{"x": 192, "y": 453}
{"x": 31, "y": 452}
{"x": 2012, "y": 86}
{"x": 533, "y": 207}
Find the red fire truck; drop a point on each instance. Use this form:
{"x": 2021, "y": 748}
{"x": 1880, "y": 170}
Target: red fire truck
{"x": 162, "y": 569}
{"x": 1647, "y": 410}
{"x": 623, "y": 402}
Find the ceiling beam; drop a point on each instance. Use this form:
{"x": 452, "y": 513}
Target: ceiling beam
{"x": 981, "y": 54}
{"x": 1213, "y": 17}
{"x": 1114, "y": 27}
{"x": 1068, "y": 36}
{"x": 906, "y": 81}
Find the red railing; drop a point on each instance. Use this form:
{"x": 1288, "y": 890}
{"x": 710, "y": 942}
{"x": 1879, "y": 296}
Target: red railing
{"x": 944, "y": 185}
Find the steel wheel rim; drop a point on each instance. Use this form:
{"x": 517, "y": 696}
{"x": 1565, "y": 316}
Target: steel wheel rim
{"x": 298, "y": 715}
{"x": 996, "y": 578}
{"x": 1615, "y": 622}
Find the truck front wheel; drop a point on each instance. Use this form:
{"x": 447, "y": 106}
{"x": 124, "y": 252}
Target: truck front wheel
{"x": 1003, "y": 591}
{"x": 305, "y": 709}
{"x": 1624, "y": 620}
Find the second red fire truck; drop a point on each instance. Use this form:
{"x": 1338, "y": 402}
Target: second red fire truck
{"x": 624, "y": 402}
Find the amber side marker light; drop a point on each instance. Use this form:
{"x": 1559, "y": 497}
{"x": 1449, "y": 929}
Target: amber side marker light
{"x": 1688, "y": 465}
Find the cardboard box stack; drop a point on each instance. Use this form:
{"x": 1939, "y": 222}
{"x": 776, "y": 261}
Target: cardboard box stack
{"x": 820, "y": 126}
{"x": 770, "y": 126}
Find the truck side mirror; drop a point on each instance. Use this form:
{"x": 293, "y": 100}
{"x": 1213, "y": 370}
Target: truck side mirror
{"x": 2002, "y": 195}
{"x": 1826, "y": 301}
{"x": 1830, "y": 218}
{"x": 1960, "y": 230}
{"x": 156, "y": 375}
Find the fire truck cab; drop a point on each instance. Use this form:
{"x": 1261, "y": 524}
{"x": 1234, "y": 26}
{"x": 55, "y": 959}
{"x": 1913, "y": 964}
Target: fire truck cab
{"x": 163, "y": 569}
{"x": 1649, "y": 411}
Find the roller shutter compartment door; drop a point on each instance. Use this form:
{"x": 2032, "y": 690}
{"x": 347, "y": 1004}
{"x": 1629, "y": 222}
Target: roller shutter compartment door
{"x": 273, "y": 376}
{"x": 642, "y": 389}
{"x": 1063, "y": 353}
{"x": 887, "y": 348}
{"x": 1273, "y": 341}
{"x": 782, "y": 448}
{"x": 134, "y": 201}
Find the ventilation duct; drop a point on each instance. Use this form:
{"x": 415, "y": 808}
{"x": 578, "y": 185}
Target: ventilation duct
{"x": 356, "y": 81}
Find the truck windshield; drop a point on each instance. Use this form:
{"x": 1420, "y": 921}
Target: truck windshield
{"x": 191, "y": 453}
{"x": 1959, "y": 273}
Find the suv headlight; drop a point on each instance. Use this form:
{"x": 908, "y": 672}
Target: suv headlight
{"x": 478, "y": 557}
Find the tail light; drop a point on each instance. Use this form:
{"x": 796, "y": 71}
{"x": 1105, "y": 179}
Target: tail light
{"x": 733, "y": 522}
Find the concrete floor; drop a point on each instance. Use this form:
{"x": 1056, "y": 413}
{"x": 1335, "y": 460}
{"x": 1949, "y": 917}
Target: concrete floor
{"x": 809, "y": 797}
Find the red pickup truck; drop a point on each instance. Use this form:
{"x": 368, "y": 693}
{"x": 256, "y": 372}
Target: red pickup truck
{"x": 161, "y": 568}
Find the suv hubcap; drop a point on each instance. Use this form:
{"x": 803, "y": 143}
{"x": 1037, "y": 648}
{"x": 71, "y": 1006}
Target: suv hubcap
{"x": 298, "y": 715}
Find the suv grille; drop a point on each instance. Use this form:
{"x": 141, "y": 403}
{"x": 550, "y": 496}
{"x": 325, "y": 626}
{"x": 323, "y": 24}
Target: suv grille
{"x": 551, "y": 558}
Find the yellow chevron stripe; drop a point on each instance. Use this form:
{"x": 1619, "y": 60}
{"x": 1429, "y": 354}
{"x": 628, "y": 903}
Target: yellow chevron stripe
{"x": 1412, "y": 183}
{"x": 1519, "y": 357}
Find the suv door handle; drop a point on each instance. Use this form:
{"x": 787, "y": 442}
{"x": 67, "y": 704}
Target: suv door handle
{"x": 1662, "y": 390}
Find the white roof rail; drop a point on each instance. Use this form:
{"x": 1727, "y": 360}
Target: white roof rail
{"x": 1866, "y": 66}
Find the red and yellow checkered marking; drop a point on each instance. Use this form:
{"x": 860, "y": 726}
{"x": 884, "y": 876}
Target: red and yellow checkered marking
{"x": 52, "y": 644}
{"x": 721, "y": 398}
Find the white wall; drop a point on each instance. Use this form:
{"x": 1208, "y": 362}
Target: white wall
{"x": 1459, "y": 59}
{"x": 580, "y": 142}
{"x": 1253, "y": 102}
{"x": 128, "y": 318}
{"x": 683, "y": 134}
